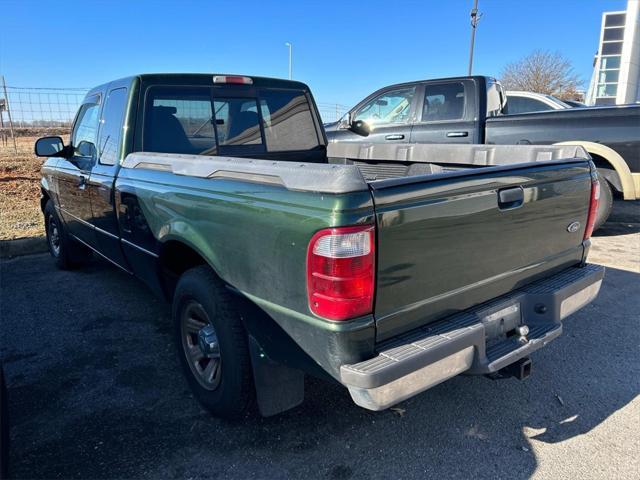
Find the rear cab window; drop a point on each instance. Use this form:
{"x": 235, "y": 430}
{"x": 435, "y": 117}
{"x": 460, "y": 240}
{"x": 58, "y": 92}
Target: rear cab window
{"x": 443, "y": 101}
{"x": 202, "y": 120}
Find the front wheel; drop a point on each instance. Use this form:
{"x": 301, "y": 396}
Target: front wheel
{"x": 66, "y": 252}
{"x": 213, "y": 343}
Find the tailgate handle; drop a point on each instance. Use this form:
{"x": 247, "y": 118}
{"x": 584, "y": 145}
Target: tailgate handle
{"x": 509, "y": 198}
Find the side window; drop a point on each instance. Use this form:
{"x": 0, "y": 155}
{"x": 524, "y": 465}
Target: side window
{"x": 287, "y": 121}
{"x": 111, "y": 126}
{"x": 85, "y": 131}
{"x": 443, "y": 102}
{"x": 523, "y": 105}
{"x": 393, "y": 106}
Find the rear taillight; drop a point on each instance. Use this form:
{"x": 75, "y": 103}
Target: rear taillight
{"x": 593, "y": 206}
{"x": 341, "y": 272}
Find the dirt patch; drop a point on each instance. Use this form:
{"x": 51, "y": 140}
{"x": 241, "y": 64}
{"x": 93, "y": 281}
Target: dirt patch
{"x": 20, "y": 214}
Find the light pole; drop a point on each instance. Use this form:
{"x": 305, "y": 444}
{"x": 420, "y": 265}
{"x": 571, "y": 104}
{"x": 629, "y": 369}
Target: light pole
{"x": 288, "y": 44}
{"x": 475, "y": 17}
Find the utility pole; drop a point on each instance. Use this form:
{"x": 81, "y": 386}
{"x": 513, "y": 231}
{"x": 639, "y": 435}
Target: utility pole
{"x": 288, "y": 44}
{"x": 475, "y": 18}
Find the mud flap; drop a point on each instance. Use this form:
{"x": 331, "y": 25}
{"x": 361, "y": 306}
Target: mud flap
{"x": 278, "y": 387}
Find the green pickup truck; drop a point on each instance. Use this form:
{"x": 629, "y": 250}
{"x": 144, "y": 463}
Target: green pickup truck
{"x": 387, "y": 269}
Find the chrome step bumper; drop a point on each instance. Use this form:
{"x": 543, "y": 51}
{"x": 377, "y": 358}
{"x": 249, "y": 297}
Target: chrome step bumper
{"x": 480, "y": 340}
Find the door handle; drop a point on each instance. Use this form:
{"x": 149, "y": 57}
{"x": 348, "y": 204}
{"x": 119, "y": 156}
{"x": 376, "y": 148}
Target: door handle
{"x": 82, "y": 182}
{"x": 509, "y": 198}
{"x": 395, "y": 136}
{"x": 457, "y": 134}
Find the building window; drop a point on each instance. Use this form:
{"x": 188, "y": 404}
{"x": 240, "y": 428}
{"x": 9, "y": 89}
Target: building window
{"x": 609, "y": 63}
{"x": 605, "y": 101}
{"x": 613, "y": 34}
{"x": 615, "y": 20}
{"x": 607, "y": 90}
{"x": 608, "y": 76}
{"x": 611, "y": 48}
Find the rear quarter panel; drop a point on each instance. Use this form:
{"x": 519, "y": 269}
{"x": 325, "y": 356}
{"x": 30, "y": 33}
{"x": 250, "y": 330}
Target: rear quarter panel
{"x": 255, "y": 237}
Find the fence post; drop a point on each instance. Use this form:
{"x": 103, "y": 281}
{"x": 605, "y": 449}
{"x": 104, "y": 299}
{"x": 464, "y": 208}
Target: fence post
{"x": 6, "y": 103}
{"x": 3, "y": 135}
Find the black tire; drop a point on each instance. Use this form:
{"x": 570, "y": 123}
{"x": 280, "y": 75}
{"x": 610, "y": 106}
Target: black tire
{"x": 231, "y": 392}
{"x": 605, "y": 204}
{"x": 66, "y": 252}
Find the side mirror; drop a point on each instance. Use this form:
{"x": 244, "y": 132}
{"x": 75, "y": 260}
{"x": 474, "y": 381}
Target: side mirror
{"x": 360, "y": 127}
{"x": 49, "y": 147}
{"x": 86, "y": 149}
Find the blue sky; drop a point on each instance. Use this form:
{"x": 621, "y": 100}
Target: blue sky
{"x": 342, "y": 49}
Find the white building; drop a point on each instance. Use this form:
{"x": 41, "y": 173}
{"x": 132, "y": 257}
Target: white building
{"x": 616, "y": 67}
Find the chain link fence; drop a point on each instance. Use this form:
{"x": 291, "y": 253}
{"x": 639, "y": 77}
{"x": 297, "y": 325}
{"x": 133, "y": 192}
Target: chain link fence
{"x": 331, "y": 112}
{"x": 29, "y": 112}
{"x": 37, "y": 111}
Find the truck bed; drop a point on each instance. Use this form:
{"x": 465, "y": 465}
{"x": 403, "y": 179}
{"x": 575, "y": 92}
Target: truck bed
{"x": 446, "y": 242}
{"x": 445, "y": 239}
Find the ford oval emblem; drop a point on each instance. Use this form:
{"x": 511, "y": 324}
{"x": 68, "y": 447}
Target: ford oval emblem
{"x": 573, "y": 227}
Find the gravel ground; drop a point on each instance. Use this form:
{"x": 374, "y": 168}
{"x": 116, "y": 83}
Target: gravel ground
{"x": 95, "y": 391}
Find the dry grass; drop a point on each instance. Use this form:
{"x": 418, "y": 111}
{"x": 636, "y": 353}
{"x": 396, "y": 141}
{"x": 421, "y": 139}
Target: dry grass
{"x": 20, "y": 214}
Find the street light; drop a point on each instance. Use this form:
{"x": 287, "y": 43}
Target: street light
{"x": 290, "y": 57}
{"x": 475, "y": 17}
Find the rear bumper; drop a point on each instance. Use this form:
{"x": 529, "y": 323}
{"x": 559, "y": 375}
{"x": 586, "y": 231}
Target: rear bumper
{"x": 481, "y": 340}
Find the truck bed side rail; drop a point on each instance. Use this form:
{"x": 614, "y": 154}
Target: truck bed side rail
{"x": 475, "y": 155}
{"x": 314, "y": 177}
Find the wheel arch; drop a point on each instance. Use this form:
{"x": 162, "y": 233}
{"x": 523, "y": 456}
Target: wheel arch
{"x": 44, "y": 198}
{"x": 44, "y": 193}
{"x": 176, "y": 256}
{"x": 618, "y": 174}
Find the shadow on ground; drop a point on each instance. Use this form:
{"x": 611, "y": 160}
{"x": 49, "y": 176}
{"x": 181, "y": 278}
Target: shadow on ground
{"x": 624, "y": 219}
{"x": 95, "y": 391}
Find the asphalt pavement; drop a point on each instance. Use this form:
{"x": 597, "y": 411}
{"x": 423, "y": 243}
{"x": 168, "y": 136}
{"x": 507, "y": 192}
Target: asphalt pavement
{"x": 95, "y": 391}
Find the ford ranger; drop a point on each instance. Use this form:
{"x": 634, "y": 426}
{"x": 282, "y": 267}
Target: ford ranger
{"x": 387, "y": 277}
{"x": 471, "y": 110}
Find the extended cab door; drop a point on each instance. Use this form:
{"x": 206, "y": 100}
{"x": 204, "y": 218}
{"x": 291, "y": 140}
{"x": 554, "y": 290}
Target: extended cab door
{"x": 73, "y": 173}
{"x": 389, "y": 115}
{"x": 446, "y": 113}
{"x": 101, "y": 183}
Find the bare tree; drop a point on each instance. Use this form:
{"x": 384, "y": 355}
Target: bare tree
{"x": 543, "y": 72}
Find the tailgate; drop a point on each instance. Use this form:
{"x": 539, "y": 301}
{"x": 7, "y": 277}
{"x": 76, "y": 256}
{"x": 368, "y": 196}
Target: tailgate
{"x": 448, "y": 242}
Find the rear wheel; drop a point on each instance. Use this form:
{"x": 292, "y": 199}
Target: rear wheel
{"x": 213, "y": 343}
{"x": 66, "y": 252}
{"x": 605, "y": 204}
